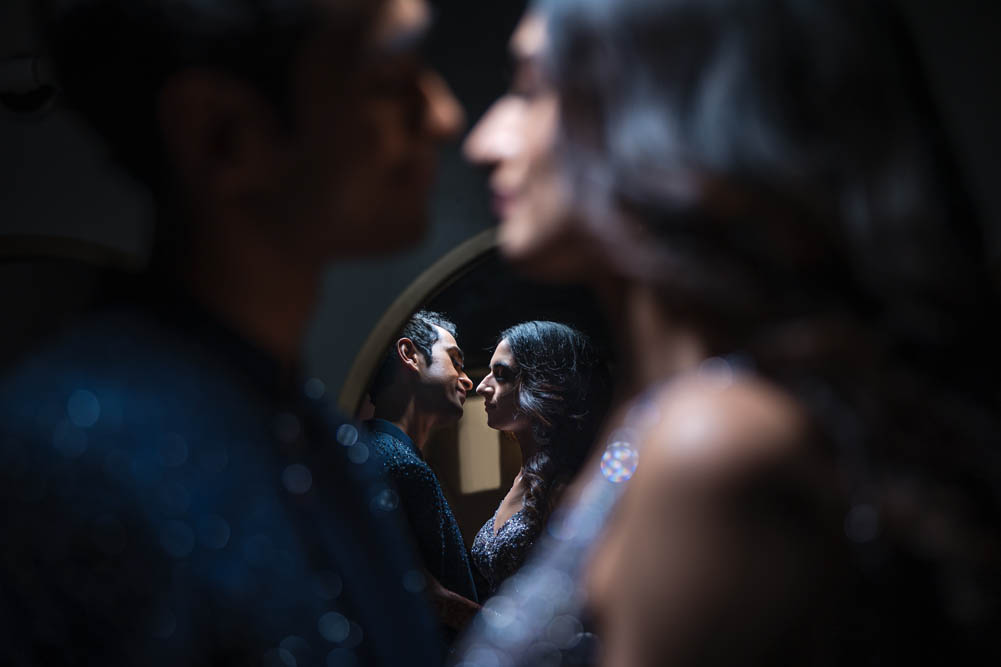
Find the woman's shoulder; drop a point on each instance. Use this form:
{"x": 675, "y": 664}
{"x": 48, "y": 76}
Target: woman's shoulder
{"x": 722, "y": 422}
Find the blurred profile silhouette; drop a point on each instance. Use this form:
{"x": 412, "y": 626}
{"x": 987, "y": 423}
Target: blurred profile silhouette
{"x": 175, "y": 491}
{"x": 763, "y": 196}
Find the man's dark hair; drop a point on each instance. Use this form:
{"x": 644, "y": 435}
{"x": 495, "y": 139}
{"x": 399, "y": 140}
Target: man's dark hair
{"x": 112, "y": 58}
{"x": 420, "y": 328}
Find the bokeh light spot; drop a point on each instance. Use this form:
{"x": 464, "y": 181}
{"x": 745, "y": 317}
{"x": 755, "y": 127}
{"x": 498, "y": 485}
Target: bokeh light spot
{"x": 413, "y": 581}
{"x": 358, "y": 453}
{"x": 619, "y": 462}
{"x": 83, "y": 408}
{"x": 347, "y": 435}
{"x": 314, "y": 389}
{"x": 386, "y": 500}
{"x": 297, "y": 479}
{"x": 334, "y": 627}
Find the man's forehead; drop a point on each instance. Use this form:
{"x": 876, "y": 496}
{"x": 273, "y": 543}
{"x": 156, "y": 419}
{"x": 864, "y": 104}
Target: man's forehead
{"x": 529, "y": 39}
{"x": 446, "y": 339}
{"x": 400, "y": 22}
{"x": 444, "y": 335}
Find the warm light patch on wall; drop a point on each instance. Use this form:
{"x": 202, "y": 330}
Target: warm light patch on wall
{"x": 479, "y": 449}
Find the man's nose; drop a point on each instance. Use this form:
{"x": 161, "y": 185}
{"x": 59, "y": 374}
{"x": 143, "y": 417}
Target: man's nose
{"x": 444, "y": 116}
{"x": 466, "y": 383}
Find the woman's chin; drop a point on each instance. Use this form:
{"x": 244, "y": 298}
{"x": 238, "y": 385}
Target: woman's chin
{"x": 552, "y": 254}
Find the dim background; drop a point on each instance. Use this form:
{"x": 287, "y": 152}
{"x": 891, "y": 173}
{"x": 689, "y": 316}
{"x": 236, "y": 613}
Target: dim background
{"x": 56, "y": 180}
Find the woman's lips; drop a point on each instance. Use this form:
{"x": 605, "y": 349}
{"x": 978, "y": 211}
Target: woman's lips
{"x": 502, "y": 203}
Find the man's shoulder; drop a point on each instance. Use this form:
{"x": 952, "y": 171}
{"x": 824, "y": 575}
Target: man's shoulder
{"x": 124, "y": 432}
{"x": 116, "y": 405}
{"x": 401, "y": 464}
{"x": 117, "y": 370}
{"x": 392, "y": 449}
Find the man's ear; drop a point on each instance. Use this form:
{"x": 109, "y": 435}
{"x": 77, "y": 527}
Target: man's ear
{"x": 409, "y": 355}
{"x": 219, "y": 133}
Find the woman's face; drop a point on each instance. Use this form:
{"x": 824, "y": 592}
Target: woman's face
{"x": 516, "y": 139}
{"x": 500, "y": 392}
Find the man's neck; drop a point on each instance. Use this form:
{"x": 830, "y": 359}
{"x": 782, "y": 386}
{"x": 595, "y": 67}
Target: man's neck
{"x": 251, "y": 285}
{"x": 406, "y": 417}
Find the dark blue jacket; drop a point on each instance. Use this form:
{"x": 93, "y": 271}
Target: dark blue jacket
{"x": 169, "y": 498}
{"x": 423, "y": 502}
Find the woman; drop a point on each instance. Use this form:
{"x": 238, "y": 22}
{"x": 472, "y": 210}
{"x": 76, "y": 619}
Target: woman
{"x": 760, "y": 192}
{"x": 548, "y": 388}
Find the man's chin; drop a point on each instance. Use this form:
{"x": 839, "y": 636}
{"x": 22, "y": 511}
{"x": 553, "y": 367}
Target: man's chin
{"x": 394, "y": 235}
{"x": 457, "y": 410}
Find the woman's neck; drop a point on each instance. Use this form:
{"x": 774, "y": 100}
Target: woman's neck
{"x": 527, "y": 443}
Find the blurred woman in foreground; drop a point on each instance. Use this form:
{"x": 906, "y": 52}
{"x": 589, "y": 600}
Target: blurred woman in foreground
{"x": 761, "y": 193}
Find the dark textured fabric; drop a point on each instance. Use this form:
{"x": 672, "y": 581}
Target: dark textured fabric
{"x": 498, "y": 554}
{"x": 423, "y": 502}
{"x": 168, "y": 499}
{"x": 538, "y": 615}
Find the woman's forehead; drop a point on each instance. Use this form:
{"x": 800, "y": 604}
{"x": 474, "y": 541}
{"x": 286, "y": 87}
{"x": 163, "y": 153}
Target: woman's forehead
{"x": 503, "y": 353}
{"x": 529, "y": 39}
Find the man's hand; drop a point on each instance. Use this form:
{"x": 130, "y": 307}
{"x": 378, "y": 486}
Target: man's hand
{"x": 454, "y": 610}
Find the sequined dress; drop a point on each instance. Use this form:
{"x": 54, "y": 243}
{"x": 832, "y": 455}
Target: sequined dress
{"x": 498, "y": 554}
{"x": 537, "y": 616}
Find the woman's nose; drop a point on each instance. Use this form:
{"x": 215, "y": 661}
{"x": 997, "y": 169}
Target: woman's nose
{"x": 495, "y": 136}
{"x": 483, "y": 389}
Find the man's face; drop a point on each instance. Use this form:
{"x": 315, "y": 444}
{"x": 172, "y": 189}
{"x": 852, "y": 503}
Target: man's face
{"x": 363, "y": 137}
{"x": 443, "y": 383}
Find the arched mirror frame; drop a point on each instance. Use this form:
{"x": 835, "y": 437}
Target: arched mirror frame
{"x": 433, "y": 280}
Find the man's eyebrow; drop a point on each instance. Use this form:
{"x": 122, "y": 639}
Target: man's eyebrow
{"x": 458, "y": 350}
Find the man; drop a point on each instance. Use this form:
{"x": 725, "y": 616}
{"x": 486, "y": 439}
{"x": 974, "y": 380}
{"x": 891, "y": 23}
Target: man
{"x": 171, "y": 492}
{"x": 420, "y": 386}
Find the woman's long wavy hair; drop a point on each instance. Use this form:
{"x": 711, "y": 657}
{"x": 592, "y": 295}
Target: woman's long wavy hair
{"x": 777, "y": 170}
{"x": 563, "y": 389}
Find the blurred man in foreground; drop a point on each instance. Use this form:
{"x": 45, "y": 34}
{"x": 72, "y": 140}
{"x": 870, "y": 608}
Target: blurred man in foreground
{"x": 172, "y": 492}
